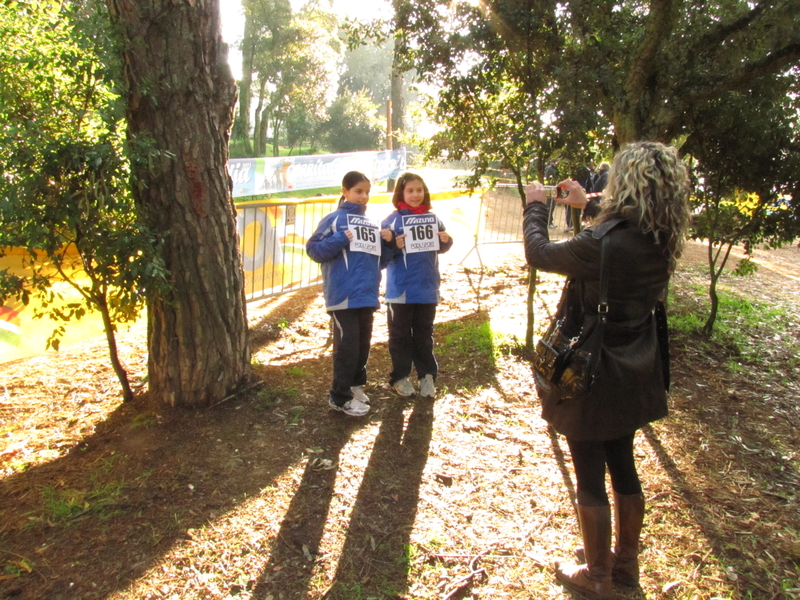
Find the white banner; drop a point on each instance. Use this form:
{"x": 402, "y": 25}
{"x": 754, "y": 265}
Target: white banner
{"x": 253, "y": 176}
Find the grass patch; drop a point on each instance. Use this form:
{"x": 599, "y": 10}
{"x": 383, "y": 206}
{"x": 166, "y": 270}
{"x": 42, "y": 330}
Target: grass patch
{"x": 477, "y": 340}
{"x": 60, "y": 505}
{"x": 268, "y": 396}
{"x": 295, "y": 415}
{"x": 747, "y": 330}
{"x": 144, "y": 420}
{"x": 468, "y": 339}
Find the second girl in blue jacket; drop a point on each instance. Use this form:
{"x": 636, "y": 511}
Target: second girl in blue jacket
{"x": 412, "y": 285}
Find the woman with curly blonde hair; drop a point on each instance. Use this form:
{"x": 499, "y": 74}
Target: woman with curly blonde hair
{"x": 644, "y": 212}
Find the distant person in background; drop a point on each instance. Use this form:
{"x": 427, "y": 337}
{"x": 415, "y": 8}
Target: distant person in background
{"x": 600, "y": 182}
{"x": 585, "y": 176}
{"x": 551, "y": 173}
{"x": 601, "y": 178}
{"x": 644, "y": 213}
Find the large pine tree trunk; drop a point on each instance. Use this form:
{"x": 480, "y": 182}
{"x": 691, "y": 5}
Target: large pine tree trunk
{"x": 180, "y": 100}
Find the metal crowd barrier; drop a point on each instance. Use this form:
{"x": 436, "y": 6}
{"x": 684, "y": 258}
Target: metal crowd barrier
{"x": 273, "y": 234}
{"x": 272, "y": 240}
{"x": 500, "y": 219}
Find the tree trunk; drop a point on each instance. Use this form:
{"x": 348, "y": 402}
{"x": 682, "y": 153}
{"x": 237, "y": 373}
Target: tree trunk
{"x": 708, "y": 326}
{"x": 398, "y": 108}
{"x": 276, "y": 126}
{"x": 180, "y": 101}
{"x": 715, "y": 268}
{"x": 260, "y": 136}
{"x": 246, "y": 84}
{"x": 257, "y": 124}
{"x": 529, "y": 322}
{"x": 101, "y": 302}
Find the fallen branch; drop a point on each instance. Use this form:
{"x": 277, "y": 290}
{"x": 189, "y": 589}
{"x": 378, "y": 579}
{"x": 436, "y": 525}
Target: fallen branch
{"x": 464, "y": 581}
{"x": 246, "y": 388}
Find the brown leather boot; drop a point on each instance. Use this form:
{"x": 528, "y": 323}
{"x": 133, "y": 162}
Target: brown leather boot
{"x": 594, "y": 578}
{"x": 628, "y": 519}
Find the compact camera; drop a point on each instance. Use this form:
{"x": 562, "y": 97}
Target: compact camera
{"x": 552, "y": 191}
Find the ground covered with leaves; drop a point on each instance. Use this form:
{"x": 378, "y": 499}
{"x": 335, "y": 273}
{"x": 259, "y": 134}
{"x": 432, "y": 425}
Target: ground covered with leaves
{"x": 269, "y": 495}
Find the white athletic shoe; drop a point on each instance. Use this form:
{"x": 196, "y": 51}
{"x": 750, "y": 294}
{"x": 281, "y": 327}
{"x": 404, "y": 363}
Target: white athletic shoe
{"x": 358, "y": 394}
{"x": 403, "y": 387}
{"x": 426, "y": 387}
{"x": 352, "y": 408}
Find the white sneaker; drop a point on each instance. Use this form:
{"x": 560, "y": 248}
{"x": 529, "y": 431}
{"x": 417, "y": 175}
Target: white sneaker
{"x": 403, "y": 387}
{"x": 426, "y": 387}
{"x": 352, "y": 408}
{"x": 358, "y": 394}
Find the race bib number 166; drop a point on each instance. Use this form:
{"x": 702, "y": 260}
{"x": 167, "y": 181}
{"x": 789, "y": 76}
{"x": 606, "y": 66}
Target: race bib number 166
{"x": 422, "y": 233}
{"x": 366, "y": 235}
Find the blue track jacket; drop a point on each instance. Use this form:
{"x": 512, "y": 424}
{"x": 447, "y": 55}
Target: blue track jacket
{"x": 349, "y": 279}
{"x": 412, "y": 278}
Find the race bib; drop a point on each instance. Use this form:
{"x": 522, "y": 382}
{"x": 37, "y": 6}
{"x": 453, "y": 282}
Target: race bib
{"x": 422, "y": 233}
{"x": 366, "y": 235}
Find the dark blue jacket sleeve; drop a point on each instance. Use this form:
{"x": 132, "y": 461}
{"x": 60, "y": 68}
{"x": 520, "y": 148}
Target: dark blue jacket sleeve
{"x": 442, "y": 246}
{"x": 324, "y": 246}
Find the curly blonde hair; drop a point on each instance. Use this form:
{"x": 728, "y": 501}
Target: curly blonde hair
{"x": 649, "y": 185}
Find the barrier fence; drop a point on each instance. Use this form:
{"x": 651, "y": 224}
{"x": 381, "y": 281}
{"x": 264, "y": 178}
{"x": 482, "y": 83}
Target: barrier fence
{"x": 272, "y": 239}
{"x": 500, "y": 219}
{"x": 273, "y": 236}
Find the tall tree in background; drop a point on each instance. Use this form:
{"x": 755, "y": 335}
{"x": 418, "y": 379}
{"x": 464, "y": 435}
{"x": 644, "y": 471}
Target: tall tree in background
{"x": 641, "y": 66}
{"x": 180, "y": 98}
{"x": 352, "y": 123}
{"x": 399, "y": 67}
{"x": 365, "y": 68}
{"x": 289, "y": 66}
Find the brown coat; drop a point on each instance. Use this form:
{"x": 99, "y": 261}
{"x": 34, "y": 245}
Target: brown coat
{"x": 628, "y": 391}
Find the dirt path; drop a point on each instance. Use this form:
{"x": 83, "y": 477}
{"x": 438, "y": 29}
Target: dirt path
{"x": 271, "y": 496}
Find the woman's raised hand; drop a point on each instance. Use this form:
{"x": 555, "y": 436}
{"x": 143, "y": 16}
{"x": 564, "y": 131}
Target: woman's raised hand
{"x": 576, "y": 195}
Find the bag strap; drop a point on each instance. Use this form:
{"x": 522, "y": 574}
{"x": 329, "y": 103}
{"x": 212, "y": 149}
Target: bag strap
{"x": 662, "y": 335}
{"x": 602, "y": 302}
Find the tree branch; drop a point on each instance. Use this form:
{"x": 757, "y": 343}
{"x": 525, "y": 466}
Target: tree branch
{"x": 747, "y": 74}
{"x": 660, "y": 23}
{"x": 716, "y": 36}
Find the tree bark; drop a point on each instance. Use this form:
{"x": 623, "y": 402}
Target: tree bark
{"x": 180, "y": 100}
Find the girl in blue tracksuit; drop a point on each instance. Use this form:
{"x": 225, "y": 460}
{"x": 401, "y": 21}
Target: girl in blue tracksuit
{"x": 349, "y": 249}
{"x": 412, "y": 285}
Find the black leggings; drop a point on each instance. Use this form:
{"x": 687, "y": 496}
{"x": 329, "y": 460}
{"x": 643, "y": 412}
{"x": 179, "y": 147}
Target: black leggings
{"x": 590, "y": 460}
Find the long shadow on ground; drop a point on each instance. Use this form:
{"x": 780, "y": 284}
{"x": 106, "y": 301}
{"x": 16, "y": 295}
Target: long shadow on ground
{"x": 374, "y": 555}
{"x": 150, "y": 479}
{"x": 86, "y": 525}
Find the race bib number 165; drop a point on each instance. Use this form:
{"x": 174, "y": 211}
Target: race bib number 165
{"x": 366, "y": 235}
